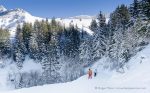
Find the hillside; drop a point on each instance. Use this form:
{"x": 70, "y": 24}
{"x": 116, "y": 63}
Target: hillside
{"x": 42, "y": 55}
{"x": 134, "y": 80}
{"x": 9, "y": 19}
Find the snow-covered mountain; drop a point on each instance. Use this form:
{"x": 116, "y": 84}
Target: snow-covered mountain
{"x": 2, "y": 9}
{"x": 83, "y": 17}
{"x": 81, "y": 23}
{"x": 9, "y": 19}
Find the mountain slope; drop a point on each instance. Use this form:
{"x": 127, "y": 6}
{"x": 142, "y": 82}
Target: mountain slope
{"x": 2, "y": 9}
{"x": 9, "y": 19}
{"x": 134, "y": 80}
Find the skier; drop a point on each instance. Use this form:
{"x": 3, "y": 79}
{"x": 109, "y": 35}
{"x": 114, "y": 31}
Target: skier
{"x": 95, "y": 72}
{"x": 90, "y": 74}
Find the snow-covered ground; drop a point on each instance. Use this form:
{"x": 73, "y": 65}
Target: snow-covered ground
{"x": 11, "y": 69}
{"x": 136, "y": 79}
{"x": 82, "y": 24}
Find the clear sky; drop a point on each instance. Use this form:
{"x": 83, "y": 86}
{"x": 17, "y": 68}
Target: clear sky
{"x": 64, "y": 8}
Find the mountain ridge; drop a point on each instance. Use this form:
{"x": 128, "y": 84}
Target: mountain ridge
{"x": 9, "y": 19}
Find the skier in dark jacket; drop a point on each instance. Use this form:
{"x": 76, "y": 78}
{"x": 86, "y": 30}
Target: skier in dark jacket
{"x": 95, "y": 72}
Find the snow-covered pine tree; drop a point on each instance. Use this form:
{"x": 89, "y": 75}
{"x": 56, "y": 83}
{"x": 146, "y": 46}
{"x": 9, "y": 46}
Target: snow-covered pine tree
{"x": 146, "y": 7}
{"x": 93, "y": 25}
{"x": 135, "y": 9}
{"x": 117, "y": 27}
{"x": 86, "y": 50}
{"x": 99, "y": 40}
{"x": 5, "y": 44}
{"x": 73, "y": 42}
{"x": 26, "y": 33}
{"x": 50, "y": 60}
{"x": 19, "y": 48}
{"x": 119, "y": 18}
{"x": 33, "y": 45}
{"x": 117, "y": 49}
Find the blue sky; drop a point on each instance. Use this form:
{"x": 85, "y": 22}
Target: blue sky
{"x": 64, "y": 8}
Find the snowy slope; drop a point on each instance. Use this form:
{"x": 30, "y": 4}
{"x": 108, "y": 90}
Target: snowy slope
{"x": 2, "y": 9}
{"x": 11, "y": 18}
{"x": 136, "y": 79}
{"x": 82, "y": 22}
{"x": 7, "y": 69}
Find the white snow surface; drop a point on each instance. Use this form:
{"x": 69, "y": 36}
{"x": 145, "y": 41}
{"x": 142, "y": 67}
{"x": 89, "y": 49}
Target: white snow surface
{"x": 136, "y": 79}
{"x": 2, "y": 8}
{"x": 83, "y": 17}
{"x": 28, "y": 66}
{"x": 82, "y": 23}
